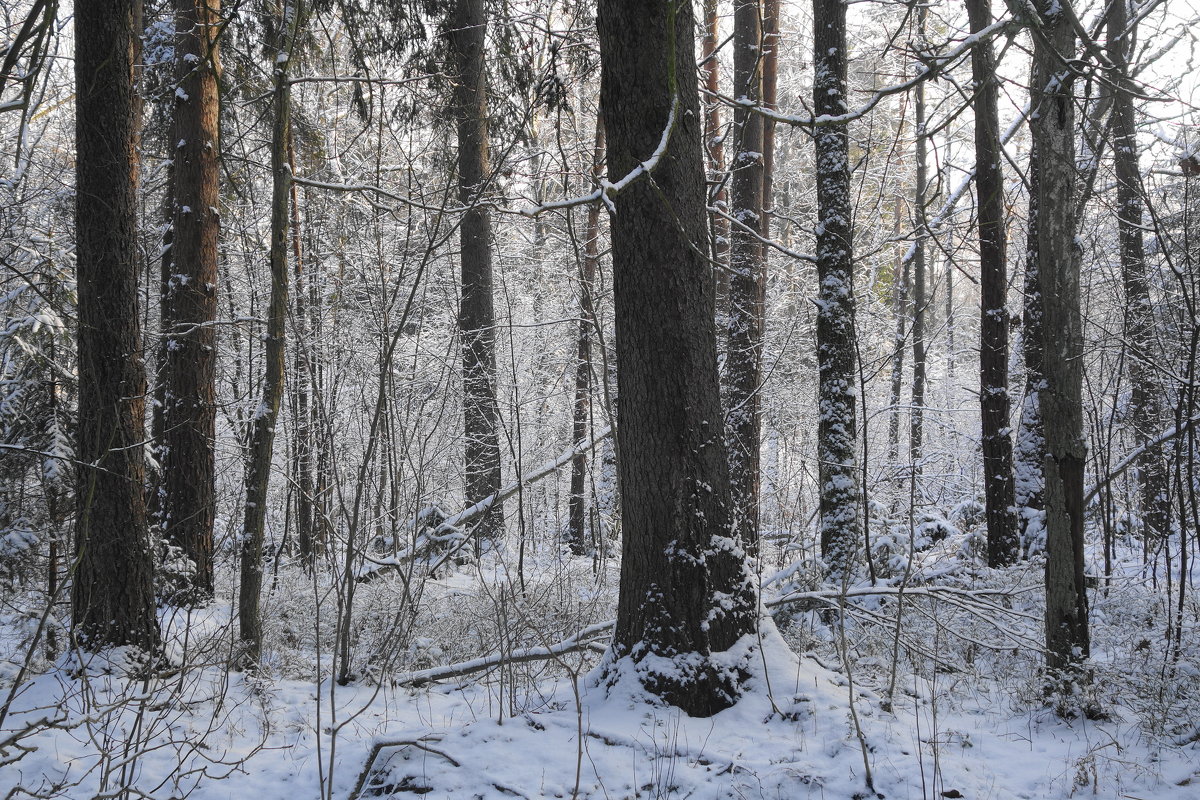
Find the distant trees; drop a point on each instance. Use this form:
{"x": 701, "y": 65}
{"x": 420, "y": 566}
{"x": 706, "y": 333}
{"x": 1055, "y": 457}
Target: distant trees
{"x": 685, "y": 592}
{"x": 112, "y": 594}
{"x": 417, "y": 136}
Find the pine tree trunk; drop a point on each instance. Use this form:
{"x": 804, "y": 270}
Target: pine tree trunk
{"x": 770, "y": 92}
{"x": 840, "y": 494}
{"x": 262, "y": 433}
{"x": 1053, "y": 124}
{"x": 916, "y": 439}
{"x": 477, "y": 316}
{"x": 747, "y": 289}
{"x": 714, "y": 145}
{"x": 899, "y": 339}
{"x": 581, "y": 418}
{"x": 188, "y": 505}
{"x": 1030, "y": 448}
{"x": 112, "y": 594}
{"x": 302, "y": 385}
{"x": 1003, "y": 544}
{"x": 1145, "y": 406}
{"x": 685, "y": 591}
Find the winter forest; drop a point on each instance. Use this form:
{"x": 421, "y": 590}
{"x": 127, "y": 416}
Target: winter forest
{"x": 640, "y": 399}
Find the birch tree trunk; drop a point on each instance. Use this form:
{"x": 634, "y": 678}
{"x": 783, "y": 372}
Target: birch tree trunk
{"x": 920, "y": 301}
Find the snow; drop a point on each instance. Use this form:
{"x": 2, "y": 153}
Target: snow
{"x": 807, "y": 725}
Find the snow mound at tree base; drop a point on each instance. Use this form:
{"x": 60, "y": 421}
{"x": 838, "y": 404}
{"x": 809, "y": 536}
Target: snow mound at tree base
{"x": 791, "y": 735}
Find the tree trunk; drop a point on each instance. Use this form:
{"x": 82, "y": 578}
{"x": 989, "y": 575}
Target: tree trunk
{"x": 1053, "y": 123}
{"x": 188, "y": 506}
{"x": 916, "y": 441}
{"x": 262, "y": 433}
{"x": 581, "y": 419}
{"x": 747, "y": 289}
{"x": 837, "y": 428}
{"x": 714, "y": 145}
{"x": 1028, "y": 481}
{"x": 477, "y": 317}
{"x": 112, "y": 595}
{"x": 302, "y": 399}
{"x": 685, "y": 590}
{"x": 1003, "y": 544}
{"x": 770, "y": 92}
{"x": 1145, "y": 411}
{"x": 899, "y": 339}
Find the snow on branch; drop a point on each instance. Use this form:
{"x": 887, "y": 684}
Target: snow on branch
{"x": 609, "y": 189}
{"x": 1090, "y": 494}
{"x": 449, "y": 530}
{"x": 943, "y": 214}
{"x": 578, "y": 641}
{"x": 976, "y": 601}
{"x": 933, "y": 67}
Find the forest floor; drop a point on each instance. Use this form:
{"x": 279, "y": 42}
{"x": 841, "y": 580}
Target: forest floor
{"x": 967, "y": 719}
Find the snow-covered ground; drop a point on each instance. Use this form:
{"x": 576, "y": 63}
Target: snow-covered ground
{"x": 967, "y": 717}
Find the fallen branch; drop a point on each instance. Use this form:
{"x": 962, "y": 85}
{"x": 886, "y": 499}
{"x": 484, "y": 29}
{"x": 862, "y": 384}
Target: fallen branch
{"x": 589, "y": 636}
{"x": 576, "y": 642}
{"x": 449, "y": 530}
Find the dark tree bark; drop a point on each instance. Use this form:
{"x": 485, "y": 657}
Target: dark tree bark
{"x": 1030, "y": 448}
{"x": 1003, "y": 544}
{"x": 262, "y": 433}
{"x": 303, "y": 405}
{"x": 581, "y": 417}
{"x": 685, "y": 590}
{"x": 747, "y": 285}
{"x": 112, "y": 596}
{"x": 714, "y": 146}
{"x": 1145, "y": 404}
{"x": 189, "y": 303}
{"x": 477, "y": 316}
{"x": 920, "y": 302}
{"x": 899, "y": 339}
{"x": 840, "y": 494}
{"x": 770, "y": 92}
{"x": 1053, "y": 124}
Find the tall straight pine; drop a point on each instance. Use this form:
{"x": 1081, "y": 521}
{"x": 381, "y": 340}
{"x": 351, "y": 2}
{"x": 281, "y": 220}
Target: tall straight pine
{"x": 112, "y": 596}
{"x": 189, "y": 299}
{"x": 685, "y": 593}
{"x": 837, "y": 426}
